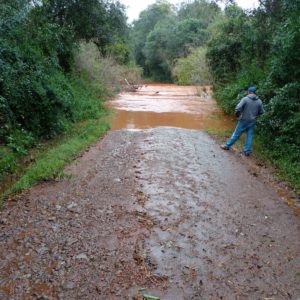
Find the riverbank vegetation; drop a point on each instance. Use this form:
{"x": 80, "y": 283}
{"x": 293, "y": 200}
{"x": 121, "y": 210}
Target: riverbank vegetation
{"x": 197, "y": 42}
{"x": 59, "y": 61}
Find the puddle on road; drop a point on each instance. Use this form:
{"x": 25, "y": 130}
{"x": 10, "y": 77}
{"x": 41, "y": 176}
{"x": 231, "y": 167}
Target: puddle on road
{"x": 158, "y": 105}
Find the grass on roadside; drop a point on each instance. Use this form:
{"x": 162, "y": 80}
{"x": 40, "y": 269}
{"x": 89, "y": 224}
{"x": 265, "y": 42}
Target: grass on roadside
{"x": 50, "y": 163}
{"x": 287, "y": 168}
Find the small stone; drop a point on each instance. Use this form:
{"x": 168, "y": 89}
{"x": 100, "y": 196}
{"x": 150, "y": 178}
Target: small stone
{"x": 55, "y": 227}
{"x": 42, "y": 250}
{"x": 69, "y": 286}
{"x": 72, "y": 205}
{"x": 75, "y": 210}
{"x": 81, "y": 256}
{"x": 72, "y": 241}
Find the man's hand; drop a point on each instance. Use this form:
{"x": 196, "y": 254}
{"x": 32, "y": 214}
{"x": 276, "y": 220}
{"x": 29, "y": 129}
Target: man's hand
{"x": 237, "y": 114}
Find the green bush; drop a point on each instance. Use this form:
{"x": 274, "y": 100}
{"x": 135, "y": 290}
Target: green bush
{"x": 34, "y": 93}
{"x": 228, "y": 95}
{"x": 192, "y": 69}
{"x": 105, "y": 72}
{"x": 20, "y": 140}
{"x": 281, "y": 122}
{"x": 37, "y": 55}
{"x": 88, "y": 98}
{"x": 8, "y": 162}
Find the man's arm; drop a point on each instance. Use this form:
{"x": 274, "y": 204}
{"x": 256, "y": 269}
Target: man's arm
{"x": 239, "y": 108}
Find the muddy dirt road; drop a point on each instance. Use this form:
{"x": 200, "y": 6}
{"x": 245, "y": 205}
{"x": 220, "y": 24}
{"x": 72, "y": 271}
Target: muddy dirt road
{"x": 159, "y": 211}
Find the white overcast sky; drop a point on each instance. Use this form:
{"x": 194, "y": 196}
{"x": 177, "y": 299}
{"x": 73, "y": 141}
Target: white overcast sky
{"x": 134, "y": 7}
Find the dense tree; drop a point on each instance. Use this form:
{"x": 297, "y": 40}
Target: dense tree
{"x": 187, "y": 34}
{"x": 156, "y": 50}
{"x": 143, "y": 27}
{"x": 193, "y": 69}
{"x": 163, "y": 34}
{"x": 38, "y": 39}
{"x": 199, "y": 9}
{"x": 32, "y": 88}
{"x": 232, "y": 35}
{"x": 96, "y": 20}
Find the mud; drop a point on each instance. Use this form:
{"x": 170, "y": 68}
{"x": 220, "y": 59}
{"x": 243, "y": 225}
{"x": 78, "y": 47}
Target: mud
{"x": 162, "y": 211}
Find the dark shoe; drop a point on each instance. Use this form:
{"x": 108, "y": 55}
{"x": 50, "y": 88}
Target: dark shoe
{"x": 224, "y": 147}
{"x": 247, "y": 153}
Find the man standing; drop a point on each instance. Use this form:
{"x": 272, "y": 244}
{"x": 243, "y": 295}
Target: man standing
{"x": 248, "y": 109}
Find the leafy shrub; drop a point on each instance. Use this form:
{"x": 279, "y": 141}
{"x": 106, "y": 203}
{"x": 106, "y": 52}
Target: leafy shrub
{"x": 5, "y": 119}
{"x": 38, "y": 40}
{"x": 19, "y": 140}
{"x": 192, "y": 69}
{"x": 88, "y": 98}
{"x": 286, "y": 51}
{"x": 104, "y": 70}
{"x": 34, "y": 93}
{"x": 225, "y": 48}
{"x": 40, "y": 94}
{"x": 7, "y": 161}
{"x": 228, "y": 95}
{"x": 281, "y": 121}
{"x": 120, "y": 51}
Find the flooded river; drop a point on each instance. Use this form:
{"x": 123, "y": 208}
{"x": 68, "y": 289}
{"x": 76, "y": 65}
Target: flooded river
{"x": 158, "y": 105}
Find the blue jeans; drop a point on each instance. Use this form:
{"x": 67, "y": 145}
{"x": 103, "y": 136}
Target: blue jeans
{"x": 243, "y": 126}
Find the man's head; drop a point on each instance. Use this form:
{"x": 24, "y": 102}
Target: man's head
{"x": 252, "y": 90}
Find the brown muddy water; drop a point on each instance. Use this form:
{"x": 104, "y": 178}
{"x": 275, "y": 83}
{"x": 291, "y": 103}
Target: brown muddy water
{"x": 158, "y": 105}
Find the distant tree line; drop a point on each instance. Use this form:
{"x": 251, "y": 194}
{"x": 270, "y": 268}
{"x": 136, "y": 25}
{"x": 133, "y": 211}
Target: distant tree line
{"x": 164, "y": 33}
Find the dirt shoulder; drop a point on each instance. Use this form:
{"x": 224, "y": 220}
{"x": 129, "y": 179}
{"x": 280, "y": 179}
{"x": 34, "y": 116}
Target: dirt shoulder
{"x": 163, "y": 212}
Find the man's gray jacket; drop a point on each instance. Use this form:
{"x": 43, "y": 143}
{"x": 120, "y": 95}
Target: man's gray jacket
{"x": 249, "y": 108}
